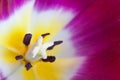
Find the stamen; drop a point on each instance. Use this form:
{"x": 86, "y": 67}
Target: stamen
{"x": 51, "y": 58}
{"x": 28, "y": 66}
{"x": 51, "y": 47}
{"x": 37, "y": 51}
{"x": 27, "y": 39}
{"x": 58, "y": 42}
{"x": 18, "y": 57}
{"x": 43, "y": 35}
{"x": 45, "y": 60}
{"x": 55, "y": 43}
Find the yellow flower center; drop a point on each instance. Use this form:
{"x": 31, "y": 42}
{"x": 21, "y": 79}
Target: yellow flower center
{"x": 37, "y": 51}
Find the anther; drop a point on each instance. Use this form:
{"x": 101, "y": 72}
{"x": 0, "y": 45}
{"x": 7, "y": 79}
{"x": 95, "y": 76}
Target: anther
{"x": 43, "y": 35}
{"x": 27, "y": 39}
{"x": 28, "y": 66}
{"x": 58, "y": 42}
{"x": 45, "y": 60}
{"x": 51, "y": 58}
{"x": 19, "y": 57}
{"x": 55, "y": 43}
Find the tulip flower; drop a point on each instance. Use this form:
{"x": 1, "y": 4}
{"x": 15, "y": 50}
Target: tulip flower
{"x": 59, "y": 39}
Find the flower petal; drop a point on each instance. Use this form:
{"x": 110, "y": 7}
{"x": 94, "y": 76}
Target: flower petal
{"x": 17, "y": 74}
{"x": 96, "y": 36}
{"x": 92, "y": 33}
{"x": 8, "y": 64}
{"x": 52, "y": 16}
{"x": 29, "y": 75}
{"x": 12, "y": 30}
{"x": 2, "y": 77}
{"x": 63, "y": 69}
{"x": 66, "y": 49}
{"x": 75, "y": 5}
{"x": 49, "y": 21}
{"x": 7, "y": 7}
{"x": 91, "y": 30}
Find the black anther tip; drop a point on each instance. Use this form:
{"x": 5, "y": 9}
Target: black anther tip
{"x": 27, "y": 39}
{"x": 55, "y": 43}
{"x": 18, "y": 57}
{"x": 28, "y": 66}
{"x": 51, "y": 58}
{"x": 45, "y": 60}
{"x": 50, "y": 48}
{"x": 58, "y": 42}
{"x": 43, "y": 35}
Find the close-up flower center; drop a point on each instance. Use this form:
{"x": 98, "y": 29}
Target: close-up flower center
{"x": 37, "y": 52}
{"x": 59, "y": 39}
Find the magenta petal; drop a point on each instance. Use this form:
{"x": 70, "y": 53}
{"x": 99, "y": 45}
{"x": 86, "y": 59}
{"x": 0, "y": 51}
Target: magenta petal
{"x": 75, "y": 5}
{"x": 7, "y": 7}
{"x": 97, "y": 27}
{"x": 96, "y": 35}
{"x": 2, "y": 77}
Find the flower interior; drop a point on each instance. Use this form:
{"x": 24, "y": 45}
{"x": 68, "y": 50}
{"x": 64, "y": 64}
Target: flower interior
{"x": 30, "y": 44}
{"x": 37, "y": 52}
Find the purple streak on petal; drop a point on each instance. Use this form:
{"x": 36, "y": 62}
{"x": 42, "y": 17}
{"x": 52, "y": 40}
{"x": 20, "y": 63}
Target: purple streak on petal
{"x": 105, "y": 66}
{"x": 2, "y": 77}
{"x": 96, "y": 35}
{"x": 75, "y": 5}
{"x": 7, "y": 7}
{"x": 96, "y": 28}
